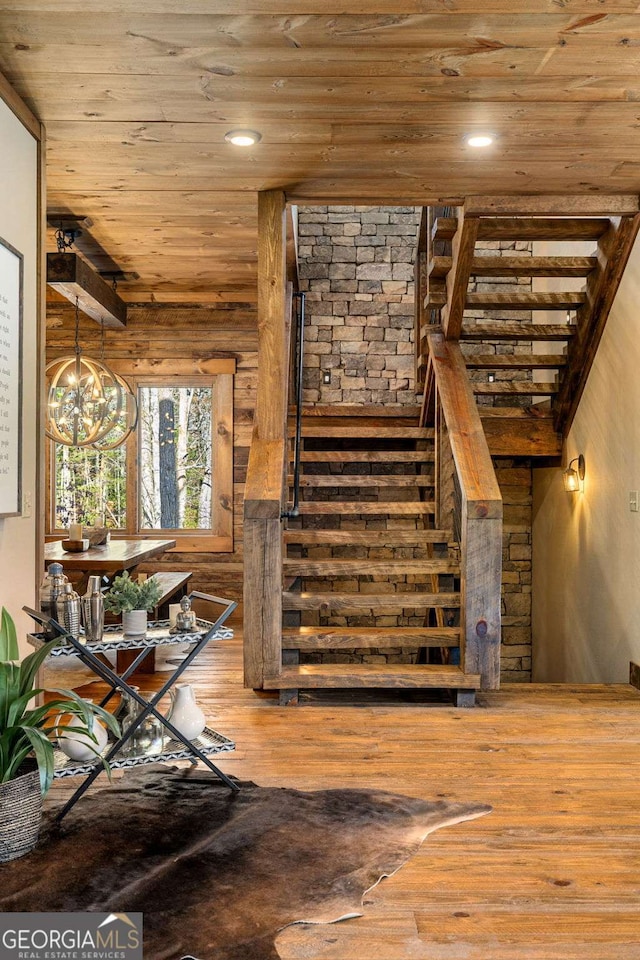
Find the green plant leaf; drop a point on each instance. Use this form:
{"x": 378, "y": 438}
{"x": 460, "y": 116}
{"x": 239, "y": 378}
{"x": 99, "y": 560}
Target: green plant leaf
{"x": 9, "y": 690}
{"x": 31, "y": 664}
{"x": 8, "y": 638}
{"x": 43, "y": 750}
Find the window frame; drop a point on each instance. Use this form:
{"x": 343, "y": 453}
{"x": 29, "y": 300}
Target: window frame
{"x": 219, "y": 377}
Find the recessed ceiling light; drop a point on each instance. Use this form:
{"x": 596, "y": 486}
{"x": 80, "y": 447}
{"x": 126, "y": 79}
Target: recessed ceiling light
{"x": 479, "y": 140}
{"x": 243, "y": 138}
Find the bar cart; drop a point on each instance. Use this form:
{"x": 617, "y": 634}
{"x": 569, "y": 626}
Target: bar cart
{"x": 175, "y": 746}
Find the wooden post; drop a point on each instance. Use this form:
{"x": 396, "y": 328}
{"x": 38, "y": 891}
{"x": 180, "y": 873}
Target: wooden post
{"x": 272, "y": 354}
{"x": 266, "y": 472}
{"x": 480, "y": 512}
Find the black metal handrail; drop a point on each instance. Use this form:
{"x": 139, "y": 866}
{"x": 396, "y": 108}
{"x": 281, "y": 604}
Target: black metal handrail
{"x": 297, "y": 442}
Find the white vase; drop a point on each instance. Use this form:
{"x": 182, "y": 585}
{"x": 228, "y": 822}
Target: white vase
{"x": 185, "y": 714}
{"x": 79, "y": 746}
{"x": 134, "y": 623}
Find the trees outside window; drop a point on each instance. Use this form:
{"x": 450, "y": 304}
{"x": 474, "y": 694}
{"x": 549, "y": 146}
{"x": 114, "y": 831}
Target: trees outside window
{"x": 168, "y": 476}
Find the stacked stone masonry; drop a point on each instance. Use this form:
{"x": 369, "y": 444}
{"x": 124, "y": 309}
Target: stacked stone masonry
{"x": 356, "y": 265}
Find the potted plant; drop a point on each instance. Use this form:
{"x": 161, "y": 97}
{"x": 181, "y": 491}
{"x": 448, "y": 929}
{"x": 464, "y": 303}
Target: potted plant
{"x": 26, "y": 735}
{"x": 133, "y": 599}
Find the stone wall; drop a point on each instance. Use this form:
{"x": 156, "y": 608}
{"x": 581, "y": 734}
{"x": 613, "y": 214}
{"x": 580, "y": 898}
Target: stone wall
{"x": 356, "y": 265}
{"x": 515, "y": 479}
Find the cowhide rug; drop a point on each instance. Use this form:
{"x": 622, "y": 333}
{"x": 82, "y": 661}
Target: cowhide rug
{"x": 217, "y": 875}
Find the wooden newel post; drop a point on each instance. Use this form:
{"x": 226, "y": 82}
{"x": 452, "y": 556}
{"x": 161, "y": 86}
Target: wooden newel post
{"x": 481, "y": 588}
{"x": 264, "y": 490}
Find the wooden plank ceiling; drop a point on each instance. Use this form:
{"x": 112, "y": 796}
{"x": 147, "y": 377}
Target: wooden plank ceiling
{"x": 358, "y": 107}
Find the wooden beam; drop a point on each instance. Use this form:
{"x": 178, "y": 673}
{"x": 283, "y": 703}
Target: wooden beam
{"x": 72, "y": 276}
{"x": 20, "y": 110}
{"x": 614, "y": 250}
{"x": 292, "y": 244}
{"x": 272, "y": 353}
{"x": 463, "y": 247}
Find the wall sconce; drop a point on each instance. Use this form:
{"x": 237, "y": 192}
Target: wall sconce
{"x": 573, "y": 477}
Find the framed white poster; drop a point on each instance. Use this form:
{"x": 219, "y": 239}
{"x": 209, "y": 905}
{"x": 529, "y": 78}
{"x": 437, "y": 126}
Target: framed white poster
{"x": 11, "y": 282}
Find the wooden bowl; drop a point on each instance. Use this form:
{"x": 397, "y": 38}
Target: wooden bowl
{"x": 75, "y": 546}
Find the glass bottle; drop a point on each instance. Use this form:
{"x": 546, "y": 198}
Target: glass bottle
{"x": 148, "y": 738}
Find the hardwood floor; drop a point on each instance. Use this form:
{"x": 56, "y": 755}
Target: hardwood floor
{"x": 553, "y": 872}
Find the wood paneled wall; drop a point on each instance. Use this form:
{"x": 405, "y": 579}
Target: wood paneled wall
{"x": 179, "y": 340}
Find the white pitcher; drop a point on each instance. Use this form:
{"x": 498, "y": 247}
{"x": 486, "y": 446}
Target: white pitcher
{"x": 185, "y": 714}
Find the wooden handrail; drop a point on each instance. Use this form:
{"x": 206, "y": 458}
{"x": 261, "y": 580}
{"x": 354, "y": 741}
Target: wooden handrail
{"x": 477, "y": 503}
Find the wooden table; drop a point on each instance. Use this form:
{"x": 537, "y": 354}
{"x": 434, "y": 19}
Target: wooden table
{"x": 113, "y": 557}
{"x": 109, "y": 560}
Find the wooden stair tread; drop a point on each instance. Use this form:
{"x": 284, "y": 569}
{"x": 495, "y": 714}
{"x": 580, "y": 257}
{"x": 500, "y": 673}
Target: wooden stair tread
{"x": 531, "y": 266}
{"x": 517, "y": 387}
{"x": 435, "y": 299}
{"x": 527, "y": 300}
{"x": 368, "y": 601}
{"x": 331, "y": 567}
{"x": 438, "y": 267}
{"x": 369, "y": 480}
{"x": 391, "y": 538}
{"x": 515, "y": 361}
{"x": 334, "y": 638}
{"x": 506, "y": 330}
{"x": 314, "y": 675}
{"x": 444, "y": 228}
{"x": 542, "y": 228}
{"x": 367, "y": 456}
{"x": 396, "y": 508}
{"x": 355, "y": 410}
{"x": 362, "y": 432}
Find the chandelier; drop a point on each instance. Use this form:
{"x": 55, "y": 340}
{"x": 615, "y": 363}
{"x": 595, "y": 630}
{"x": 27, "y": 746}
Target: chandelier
{"x": 88, "y": 404}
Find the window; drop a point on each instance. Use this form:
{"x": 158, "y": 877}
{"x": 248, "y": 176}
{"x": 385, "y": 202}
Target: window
{"x": 174, "y": 474}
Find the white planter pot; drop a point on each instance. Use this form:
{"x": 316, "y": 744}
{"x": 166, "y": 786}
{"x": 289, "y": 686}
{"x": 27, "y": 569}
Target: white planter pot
{"x": 134, "y": 623}
{"x": 185, "y": 714}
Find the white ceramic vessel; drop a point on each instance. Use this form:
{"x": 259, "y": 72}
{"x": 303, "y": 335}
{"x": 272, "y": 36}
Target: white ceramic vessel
{"x": 79, "y": 746}
{"x": 185, "y": 714}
